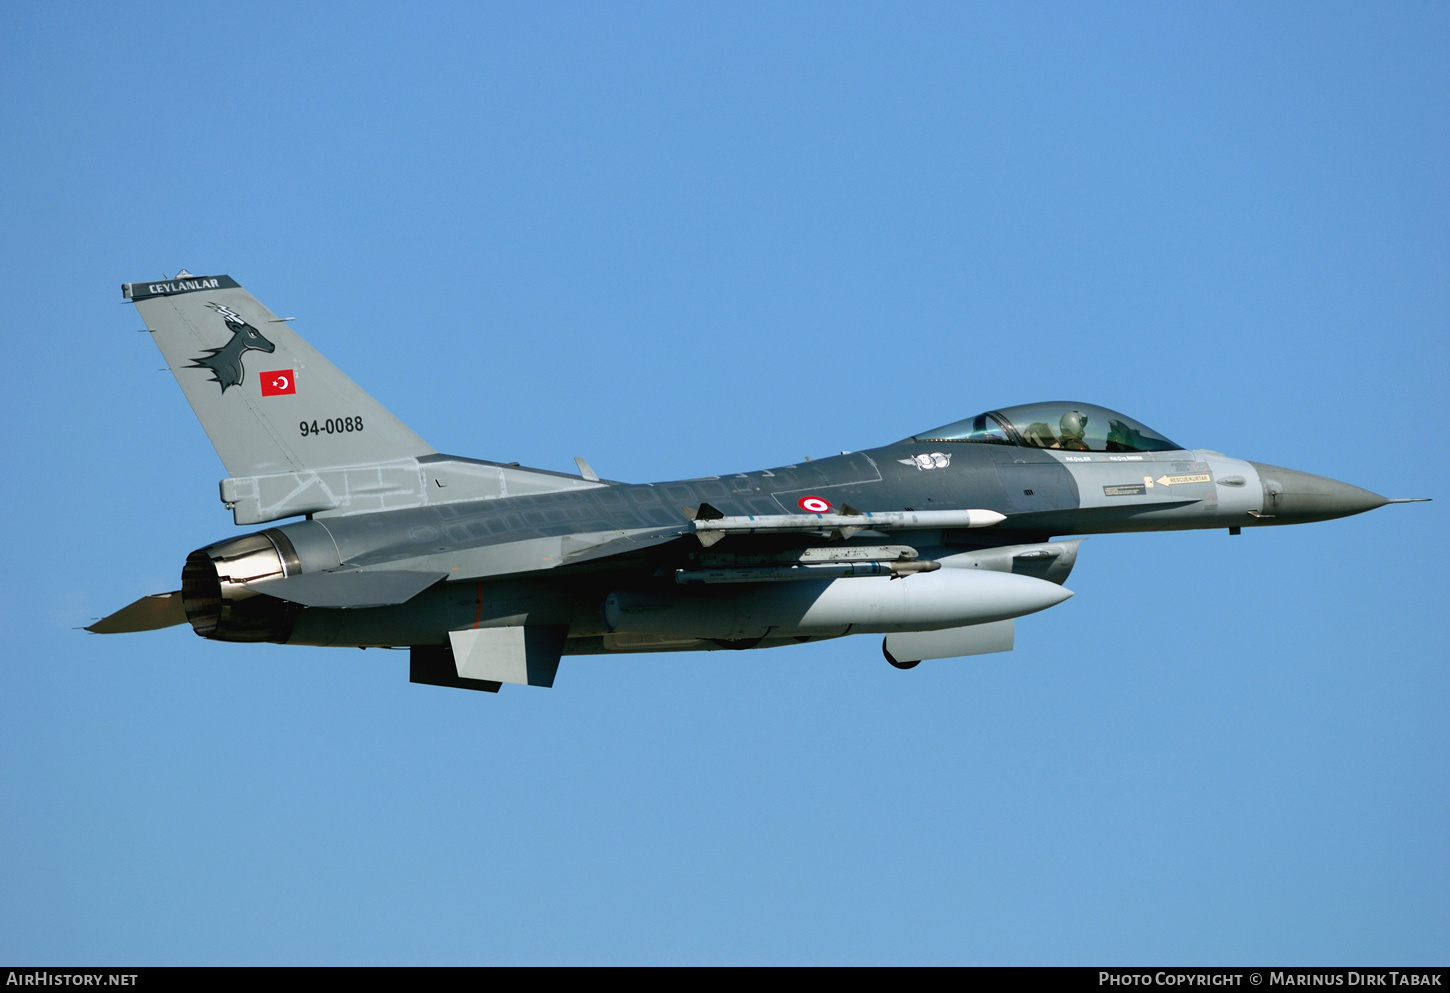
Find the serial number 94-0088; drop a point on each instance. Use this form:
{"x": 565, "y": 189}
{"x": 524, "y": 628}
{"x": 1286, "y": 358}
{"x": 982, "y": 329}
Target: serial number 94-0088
{"x": 333, "y": 425}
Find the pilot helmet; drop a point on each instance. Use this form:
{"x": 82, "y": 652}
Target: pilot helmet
{"x": 1073, "y": 424}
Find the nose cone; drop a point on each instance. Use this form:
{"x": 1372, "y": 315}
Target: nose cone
{"x": 1297, "y": 497}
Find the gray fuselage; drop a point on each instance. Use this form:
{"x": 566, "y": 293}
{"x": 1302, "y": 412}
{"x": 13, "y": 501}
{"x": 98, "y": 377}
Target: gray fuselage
{"x": 526, "y": 540}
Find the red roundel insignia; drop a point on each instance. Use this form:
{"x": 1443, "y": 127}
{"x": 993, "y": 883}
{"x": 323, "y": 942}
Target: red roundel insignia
{"x": 277, "y": 383}
{"x": 814, "y": 505}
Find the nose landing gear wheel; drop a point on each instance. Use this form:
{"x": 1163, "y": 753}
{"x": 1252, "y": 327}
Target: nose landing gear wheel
{"x": 892, "y": 660}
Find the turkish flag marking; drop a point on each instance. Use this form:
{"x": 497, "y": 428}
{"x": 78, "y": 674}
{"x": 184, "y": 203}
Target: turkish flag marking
{"x": 276, "y": 383}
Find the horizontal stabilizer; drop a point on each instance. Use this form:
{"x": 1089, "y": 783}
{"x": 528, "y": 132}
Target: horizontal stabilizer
{"x": 150, "y": 613}
{"x": 348, "y": 589}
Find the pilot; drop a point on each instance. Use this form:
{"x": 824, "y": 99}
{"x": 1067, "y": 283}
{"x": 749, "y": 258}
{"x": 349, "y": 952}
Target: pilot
{"x": 1073, "y": 426}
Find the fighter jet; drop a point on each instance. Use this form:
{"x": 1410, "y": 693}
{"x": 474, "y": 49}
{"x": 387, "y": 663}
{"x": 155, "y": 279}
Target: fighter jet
{"x": 489, "y": 572}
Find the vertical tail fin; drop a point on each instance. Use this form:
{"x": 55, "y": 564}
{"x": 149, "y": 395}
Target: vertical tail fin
{"x": 269, "y": 401}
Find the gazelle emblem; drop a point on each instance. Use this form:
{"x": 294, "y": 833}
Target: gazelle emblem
{"x": 225, "y": 363}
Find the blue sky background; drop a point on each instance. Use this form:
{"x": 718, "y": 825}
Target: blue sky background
{"x": 688, "y": 239}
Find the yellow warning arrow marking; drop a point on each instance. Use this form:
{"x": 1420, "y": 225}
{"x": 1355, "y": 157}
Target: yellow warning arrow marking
{"x": 1198, "y": 477}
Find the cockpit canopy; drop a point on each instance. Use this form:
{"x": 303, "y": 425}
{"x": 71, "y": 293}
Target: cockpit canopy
{"x": 1076, "y": 427}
